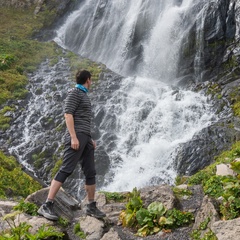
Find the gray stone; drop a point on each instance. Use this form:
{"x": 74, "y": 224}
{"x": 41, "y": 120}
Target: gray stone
{"x": 224, "y": 170}
{"x": 35, "y": 221}
{"x": 5, "y": 208}
{"x": 227, "y": 230}
{"x": 92, "y": 227}
{"x": 110, "y": 235}
{"x": 161, "y": 193}
{"x": 65, "y": 205}
{"x": 207, "y": 210}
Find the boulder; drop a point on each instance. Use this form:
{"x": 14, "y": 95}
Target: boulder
{"x": 227, "y": 230}
{"x": 111, "y": 234}
{"x": 92, "y": 227}
{"x": 161, "y": 193}
{"x": 224, "y": 170}
{"x": 65, "y": 205}
{"x": 208, "y": 213}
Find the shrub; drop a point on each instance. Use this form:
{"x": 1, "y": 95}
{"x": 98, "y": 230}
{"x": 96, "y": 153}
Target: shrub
{"x": 153, "y": 219}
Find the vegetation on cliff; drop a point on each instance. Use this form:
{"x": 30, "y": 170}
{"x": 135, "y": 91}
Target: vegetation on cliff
{"x": 21, "y": 54}
{"x": 14, "y": 181}
{"x": 226, "y": 187}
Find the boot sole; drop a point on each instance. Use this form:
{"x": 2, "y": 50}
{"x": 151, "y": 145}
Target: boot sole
{"x": 92, "y": 215}
{"x": 48, "y": 216}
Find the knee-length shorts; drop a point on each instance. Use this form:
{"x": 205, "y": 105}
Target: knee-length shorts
{"x": 84, "y": 155}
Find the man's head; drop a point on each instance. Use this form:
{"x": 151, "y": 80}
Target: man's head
{"x": 83, "y": 76}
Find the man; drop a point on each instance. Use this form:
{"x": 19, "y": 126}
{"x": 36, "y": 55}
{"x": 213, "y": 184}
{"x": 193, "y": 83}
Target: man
{"x": 79, "y": 147}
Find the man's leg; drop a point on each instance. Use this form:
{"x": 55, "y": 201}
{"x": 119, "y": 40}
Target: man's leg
{"x": 88, "y": 166}
{"x": 46, "y": 209}
{"x": 54, "y": 188}
{"x": 70, "y": 160}
{"x": 90, "y": 189}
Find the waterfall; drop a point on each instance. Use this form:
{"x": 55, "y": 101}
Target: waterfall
{"x": 137, "y": 37}
{"x": 146, "y": 117}
{"x": 142, "y": 118}
{"x": 151, "y": 120}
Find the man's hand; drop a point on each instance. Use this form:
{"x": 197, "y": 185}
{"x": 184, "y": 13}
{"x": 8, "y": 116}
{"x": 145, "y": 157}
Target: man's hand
{"x": 94, "y": 144}
{"x": 75, "y": 143}
{"x": 70, "y": 126}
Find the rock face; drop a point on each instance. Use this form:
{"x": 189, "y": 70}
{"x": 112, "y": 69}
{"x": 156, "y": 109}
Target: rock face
{"x": 200, "y": 151}
{"x": 209, "y": 37}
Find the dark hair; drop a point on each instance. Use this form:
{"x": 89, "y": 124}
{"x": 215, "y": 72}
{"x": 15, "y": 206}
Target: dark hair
{"x": 82, "y": 76}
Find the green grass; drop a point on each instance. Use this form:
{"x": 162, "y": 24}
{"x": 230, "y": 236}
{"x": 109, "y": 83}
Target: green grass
{"x": 20, "y": 54}
{"x": 14, "y": 182}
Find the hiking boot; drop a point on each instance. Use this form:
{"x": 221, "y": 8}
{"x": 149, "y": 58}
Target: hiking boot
{"x": 47, "y": 211}
{"x": 93, "y": 211}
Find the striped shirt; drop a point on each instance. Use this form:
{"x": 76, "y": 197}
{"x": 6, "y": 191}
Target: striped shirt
{"x": 78, "y": 104}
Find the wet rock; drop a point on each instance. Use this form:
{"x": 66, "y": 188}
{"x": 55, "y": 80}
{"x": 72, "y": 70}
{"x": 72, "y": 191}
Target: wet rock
{"x": 218, "y": 26}
{"x": 200, "y": 151}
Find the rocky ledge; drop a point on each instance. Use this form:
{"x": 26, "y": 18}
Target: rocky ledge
{"x": 200, "y": 205}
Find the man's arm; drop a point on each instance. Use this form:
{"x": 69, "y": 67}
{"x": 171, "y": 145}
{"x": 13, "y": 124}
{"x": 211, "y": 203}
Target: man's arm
{"x": 70, "y": 126}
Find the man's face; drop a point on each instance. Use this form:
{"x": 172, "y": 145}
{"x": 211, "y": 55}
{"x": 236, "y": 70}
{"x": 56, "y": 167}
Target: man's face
{"x": 89, "y": 83}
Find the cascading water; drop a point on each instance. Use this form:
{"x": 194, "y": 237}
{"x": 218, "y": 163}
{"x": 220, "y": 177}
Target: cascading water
{"x": 140, "y": 37}
{"x": 140, "y": 120}
{"x": 151, "y": 120}
{"x": 146, "y": 118}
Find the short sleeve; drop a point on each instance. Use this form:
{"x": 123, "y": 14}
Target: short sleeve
{"x": 72, "y": 102}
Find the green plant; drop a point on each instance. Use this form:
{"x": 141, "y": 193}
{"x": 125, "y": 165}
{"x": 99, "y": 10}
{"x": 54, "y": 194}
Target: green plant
{"x": 17, "y": 48}
{"x": 214, "y": 186}
{"x": 56, "y": 167}
{"x": 199, "y": 177}
{"x": 27, "y": 207}
{"x": 230, "y": 208}
{"x": 78, "y": 232}
{"x": 5, "y": 61}
{"x": 63, "y": 222}
{"x": 14, "y": 182}
{"x": 181, "y": 192}
{"x": 179, "y": 218}
{"x": 5, "y": 120}
{"x": 128, "y": 217}
{"x": 209, "y": 235}
{"x": 180, "y": 180}
{"x": 235, "y": 166}
{"x": 20, "y": 230}
{"x": 114, "y": 196}
{"x": 153, "y": 219}
{"x": 228, "y": 187}
{"x": 204, "y": 224}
